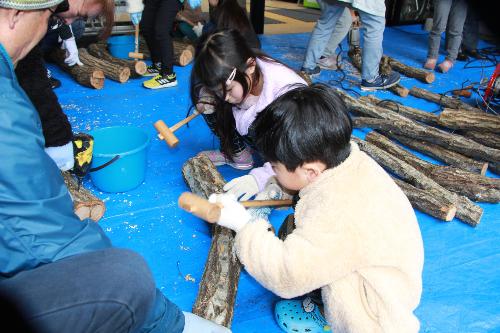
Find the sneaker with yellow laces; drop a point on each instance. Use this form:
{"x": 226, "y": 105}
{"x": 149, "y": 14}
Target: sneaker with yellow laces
{"x": 161, "y": 81}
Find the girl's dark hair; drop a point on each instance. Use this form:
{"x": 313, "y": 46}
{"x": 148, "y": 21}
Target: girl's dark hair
{"x": 217, "y": 55}
{"x": 306, "y": 124}
{"x": 228, "y": 14}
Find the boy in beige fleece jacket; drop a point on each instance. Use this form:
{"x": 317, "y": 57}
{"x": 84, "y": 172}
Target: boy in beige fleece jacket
{"x": 356, "y": 236}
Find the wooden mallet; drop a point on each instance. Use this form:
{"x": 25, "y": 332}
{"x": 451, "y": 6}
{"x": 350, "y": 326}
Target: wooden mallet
{"x": 210, "y": 212}
{"x": 136, "y": 55}
{"x": 167, "y": 134}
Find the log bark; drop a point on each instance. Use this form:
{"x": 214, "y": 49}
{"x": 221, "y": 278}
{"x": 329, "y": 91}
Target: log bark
{"x": 400, "y": 90}
{"x": 467, "y": 211}
{"x": 137, "y": 68}
{"x": 183, "y": 51}
{"x": 113, "y": 71}
{"x": 473, "y": 186}
{"x": 85, "y": 204}
{"x": 440, "y": 99}
{"x": 412, "y": 113}
{"x": 417, "y": 73}
{"x": 484, "y": 138}
{"x": 217, "y": 291}
{"x": 88, "y": 76}
{"x": 465, "y": 120}
{"x": 398, "y": 124}
{"x": 441, "y": 154}
{"x": 427, "y": 203}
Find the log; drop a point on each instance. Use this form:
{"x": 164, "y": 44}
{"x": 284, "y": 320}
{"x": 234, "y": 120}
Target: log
{"x": 217, "y": 290}
{"x": 441, "y": 154}
{"x": 113, "y": 71}
{"x": 442, "y": 100}
{"x": 183, "y": 51}
{"x": 465, "y": 120}
{"x": 473, "y": 186}
{"x": 398, "y": 124}
{"x": 485, "y": 138}
{"x": 427, "y": 203}
{"x": 137, "y": 68}
{"x": 88, "y": 76}
{"x": 85, "y": 204}
{"x": 467, "y": 211}
{"x": 412, "y": 113}
{"x": 400, "y": 90}
{"x": 409, "y": 71}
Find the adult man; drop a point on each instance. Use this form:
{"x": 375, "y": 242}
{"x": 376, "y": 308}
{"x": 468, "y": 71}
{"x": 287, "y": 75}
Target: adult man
{"x": 372, "y": 15}
{"x": 63, "y": 273}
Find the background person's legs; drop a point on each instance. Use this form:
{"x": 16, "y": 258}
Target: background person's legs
{"x": 456, "y": 20}
{"x": 439, "y": 21}
{"x": 373, "y": 35}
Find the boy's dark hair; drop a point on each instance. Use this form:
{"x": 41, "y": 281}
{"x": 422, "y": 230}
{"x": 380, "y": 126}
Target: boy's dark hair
{"x": 306, "y": 124}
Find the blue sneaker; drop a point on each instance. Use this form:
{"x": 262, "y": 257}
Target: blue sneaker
{"x": 296, "y": 316}
{"x": 311, "y": 72}
{"x": 381, "y": 82}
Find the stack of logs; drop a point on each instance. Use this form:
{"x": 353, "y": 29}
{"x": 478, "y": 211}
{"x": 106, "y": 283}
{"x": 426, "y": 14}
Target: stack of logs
{"x": 447, "y": 191}
{"x": 99, "y": 64}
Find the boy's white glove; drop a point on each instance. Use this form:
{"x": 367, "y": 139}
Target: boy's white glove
{"x": 63, "y": 156}
{"x": 136, "y": 17}
{"x": 243, "y": 187}
{"x": 233, "y": 215}
{"x": 71, "y": 52}
{"x": 196, "y": 324}
{"x": 198, "y": 29}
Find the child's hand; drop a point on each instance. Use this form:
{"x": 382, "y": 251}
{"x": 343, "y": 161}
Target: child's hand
{"x": 244, "y": 187}
{"x": 233, "y": 215}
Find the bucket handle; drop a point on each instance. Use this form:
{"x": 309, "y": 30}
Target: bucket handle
{"x": 102, "y": 166}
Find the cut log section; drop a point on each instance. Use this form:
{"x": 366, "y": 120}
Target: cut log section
{"x": 467, "y": 211}
{"x": 473, "y": 186}
{"x": 412, "y": 113}
{"x": 217, "y": 291}
{"x": 465, "y": 120}
{"x": 442, "y": 154}
{"x": 113, "y": 71}
{"x": 409, "y": 71}
{"x": 85, "y": 204}
{"x": 88, "y": 76}
{"x": 425, "y": 202}
{"x": 484, "y": 138}
{"x": 137, "y": 68}
{"x": 440, "y": 99}
{"x": 183, "y": 51}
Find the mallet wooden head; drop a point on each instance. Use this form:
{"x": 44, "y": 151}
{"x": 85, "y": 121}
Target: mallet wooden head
{"x": 167, "y": 133}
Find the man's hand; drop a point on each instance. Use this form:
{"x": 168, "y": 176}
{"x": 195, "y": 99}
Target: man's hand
{"x": 71, "y": 52}
{"x": 233, "y": 215}
{"x": 243, "y": 187}
{"x": 198, "y": 29}
{"x": 136, "y": 18}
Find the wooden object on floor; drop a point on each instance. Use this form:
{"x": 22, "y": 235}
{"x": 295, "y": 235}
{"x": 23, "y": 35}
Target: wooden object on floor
{"x": 412, "y": 113}
{"x": 427, "y": 203}
{"x": 442, "y": 154}
{"x": 136, "y": 54}
{"x": 217, "y": 290}
{"x": 167, "y": 133}
{"x": 465, "y": 120}
{"x": 400, "y": 90}
{"x": 183, "y": 51}
{"x": 439, "y": 99}
{"x": 85, "y": 204}
{"x": 88, "y": 76}
{"x": 210, "y": 212}
{"x": 467, "y": 211}
{"x": 472, "y": 185}
{"x": 137, "y": 68}
{"x": 484, "y": 138}
{"x": 113, "y": 71}
{"x": 409, "y": 71}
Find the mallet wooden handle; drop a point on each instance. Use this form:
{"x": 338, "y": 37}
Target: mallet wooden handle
{"x": 136, "y": 55}
{"x": 210, "y": 212}
{"x": 167, "y": 134}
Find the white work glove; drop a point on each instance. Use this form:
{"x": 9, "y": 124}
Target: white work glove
{"x": 196, "y": 324}
{"x": 198, "y": 29}
{"x": 63, "y": 156}
{"x": 136, "y": 17}
{"x": 232, "y": 215}
{"x": 71, "y": 52}
{"x": 243, "y": 187}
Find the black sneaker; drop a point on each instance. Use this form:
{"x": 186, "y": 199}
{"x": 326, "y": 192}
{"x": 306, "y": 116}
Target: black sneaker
{"x": 461, "y": 56}
{"x": 474, "y": 54}
{"x": 152, "y": 70}
{"x": 54, "y": 83}
{"x": 381, "y": 82}
{"x": 311, "y": 72}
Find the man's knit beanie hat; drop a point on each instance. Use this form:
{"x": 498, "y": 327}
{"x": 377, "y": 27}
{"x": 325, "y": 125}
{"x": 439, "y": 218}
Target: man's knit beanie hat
{"x": 29, "y": 4}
